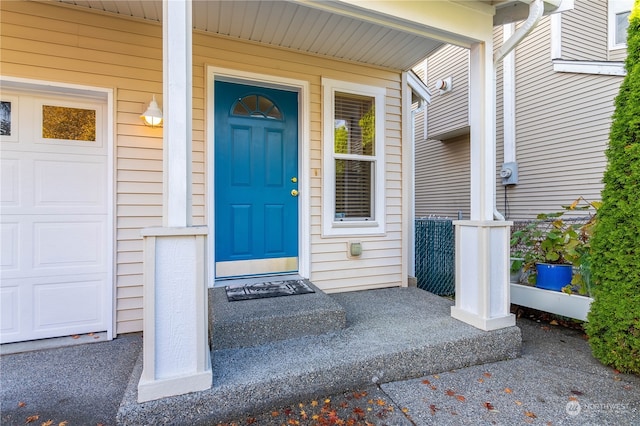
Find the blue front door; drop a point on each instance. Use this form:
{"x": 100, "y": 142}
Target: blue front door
{"x": 256, "y": 180}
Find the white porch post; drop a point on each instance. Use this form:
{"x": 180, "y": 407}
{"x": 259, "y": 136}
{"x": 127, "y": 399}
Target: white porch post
{"x": 482, "y": 244}
{"x": 176, "y": 357}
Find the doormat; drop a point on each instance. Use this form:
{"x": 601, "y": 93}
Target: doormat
{"x": 267, "y": 289}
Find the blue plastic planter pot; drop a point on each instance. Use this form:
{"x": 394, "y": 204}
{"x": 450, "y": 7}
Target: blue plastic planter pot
{"x": 553, "y": 277}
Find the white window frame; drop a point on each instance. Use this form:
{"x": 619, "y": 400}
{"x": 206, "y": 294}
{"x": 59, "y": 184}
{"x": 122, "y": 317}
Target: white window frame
{"x": 615, "y": 7}
{"x": 376, "y": 225}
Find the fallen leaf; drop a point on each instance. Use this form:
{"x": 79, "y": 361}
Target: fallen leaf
{"x": 487, "y": 375}
{"x": 507, "y": 390}
{"x": 47, "y": 423}
{"x": 518, "y": 402}
{"x": 381, "y": 402}
{"x": 90, "y": 334}
{"x": 616, "y": 379}
{"x": 627, "y": 387}
{"x": 288, "y": 412}
{"x": 315, "y": 417}
{"x": 275, "y": 414}
{"x": 433, "y": 387}
{"x": 22, "y": 404}
{"x": 480, "y": 380}
{"x": 433, "y": 409}
{"x": 314, "y": 403}
{"x": 545, "y": 328}
{"x": 530, "y": 414}
{"x": 577, "y": 392}
{"x": 344, "y": 404}
{"x": 426, "y": 382}
{"x": 251, "y": 420}
{"x": 489, "y": 406}
{"x": 616, "y": 371}
{"x": 32, "y": 419}
{"x": 553, "y": 322}
{"x": 64, "y": 423}
{"x": 327, "y": 401}
{"x": 460, "y": 398}
{"x": 435, "y": 376}
{"x": 293, "y": 422}
{"x": 303, "y": 415}
{"x": 449, "y": 392}
{"x": 573, "y": 398}
{"x": 75, "y": 336}
{"x": 359, "y": 412}
{"x": 405, "y": 410}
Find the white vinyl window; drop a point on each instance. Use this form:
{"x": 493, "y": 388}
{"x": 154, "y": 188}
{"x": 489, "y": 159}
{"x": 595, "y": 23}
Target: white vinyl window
{"x": 353, "y": 159}
{"x": 619, "y": 11}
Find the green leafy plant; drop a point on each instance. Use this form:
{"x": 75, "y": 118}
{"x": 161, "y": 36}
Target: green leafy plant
{"x": 614, "y": 317}
{"x": 553, "y": 238}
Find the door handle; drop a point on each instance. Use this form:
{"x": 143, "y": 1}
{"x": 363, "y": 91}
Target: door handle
{"x": 294, "y": 192}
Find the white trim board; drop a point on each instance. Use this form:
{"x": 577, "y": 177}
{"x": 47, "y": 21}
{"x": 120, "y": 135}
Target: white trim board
{"x": 589, "y": 67}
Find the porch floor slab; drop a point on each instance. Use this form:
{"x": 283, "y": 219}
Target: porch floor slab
{"x": 390, "y": 334}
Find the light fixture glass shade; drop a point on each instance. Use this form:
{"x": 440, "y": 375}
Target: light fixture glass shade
{"x": 153, "y": 115}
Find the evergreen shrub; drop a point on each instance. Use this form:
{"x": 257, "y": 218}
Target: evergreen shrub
{"x": 614, "y": 318}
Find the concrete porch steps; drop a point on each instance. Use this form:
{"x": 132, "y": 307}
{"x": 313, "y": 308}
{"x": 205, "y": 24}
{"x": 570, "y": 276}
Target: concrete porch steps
{"x": 249, "y": 323}
{"x": 391, "y": 334}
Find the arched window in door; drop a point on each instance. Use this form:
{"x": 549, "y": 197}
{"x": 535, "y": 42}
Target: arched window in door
{"x": 256, "y": 106}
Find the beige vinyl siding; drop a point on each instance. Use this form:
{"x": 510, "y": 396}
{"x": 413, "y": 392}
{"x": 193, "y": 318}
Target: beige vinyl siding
{"x": 448, "y": 112}
{"x": 584, "y": 31}
{"x": 331, "y": 268}
{"x": 51, "y": 43}
{"x": 60, "y": 44}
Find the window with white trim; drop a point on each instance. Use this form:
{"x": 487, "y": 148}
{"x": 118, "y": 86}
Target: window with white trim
{"x": 353, "y": 159}
{"x": 619, "y": 11}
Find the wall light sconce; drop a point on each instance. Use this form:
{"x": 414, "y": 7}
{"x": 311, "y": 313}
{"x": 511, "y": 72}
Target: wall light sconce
{"x": 153, "y": 115}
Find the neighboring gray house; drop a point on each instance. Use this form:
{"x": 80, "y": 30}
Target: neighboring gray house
{"x": 554, "y": 104}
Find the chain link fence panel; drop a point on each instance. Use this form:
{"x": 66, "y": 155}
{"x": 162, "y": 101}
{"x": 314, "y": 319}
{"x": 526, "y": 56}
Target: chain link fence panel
{"x": 435, "y": 256}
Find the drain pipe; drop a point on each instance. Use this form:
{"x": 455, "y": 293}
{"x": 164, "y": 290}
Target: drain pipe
{"x": 536, "y": 10}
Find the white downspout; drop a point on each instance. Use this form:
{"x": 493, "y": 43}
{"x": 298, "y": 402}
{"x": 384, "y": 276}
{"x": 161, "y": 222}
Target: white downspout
{"x": 536, "y": 10}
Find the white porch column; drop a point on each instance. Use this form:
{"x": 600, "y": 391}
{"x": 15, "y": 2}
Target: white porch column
{"x": 176, "y": 358}
{"x": 482, "y": 244}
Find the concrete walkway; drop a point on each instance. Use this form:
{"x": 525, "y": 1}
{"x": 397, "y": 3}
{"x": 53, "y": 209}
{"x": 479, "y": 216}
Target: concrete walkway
{"x": 555, "y": 381}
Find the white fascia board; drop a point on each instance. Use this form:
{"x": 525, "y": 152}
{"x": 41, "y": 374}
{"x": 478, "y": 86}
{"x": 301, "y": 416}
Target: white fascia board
{"x": 518, "y": 10}
{"x": 589, "y": 67}
{"x": 460, "y": 23}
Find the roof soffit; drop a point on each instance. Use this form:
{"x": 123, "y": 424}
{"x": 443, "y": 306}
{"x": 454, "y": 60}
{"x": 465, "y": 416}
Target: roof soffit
{"x": 393, "y": 35}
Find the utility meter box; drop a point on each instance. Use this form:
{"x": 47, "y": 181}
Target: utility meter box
{"x": 509, "y": 173}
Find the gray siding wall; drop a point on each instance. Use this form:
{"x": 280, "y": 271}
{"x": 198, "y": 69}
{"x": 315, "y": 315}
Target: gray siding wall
{"x": 584, "y": 31}
{"x": 562, "y": 131}
{"x": 442, "y": 177}
{"x": 448, "y": 112}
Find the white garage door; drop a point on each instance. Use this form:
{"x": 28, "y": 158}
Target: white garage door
{"x": 55, "y": 230}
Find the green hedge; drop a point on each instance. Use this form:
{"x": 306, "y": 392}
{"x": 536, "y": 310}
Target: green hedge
{"x": 614, "y": 319}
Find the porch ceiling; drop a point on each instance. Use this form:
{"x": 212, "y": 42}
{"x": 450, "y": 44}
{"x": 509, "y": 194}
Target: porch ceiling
{"x": 328, "y": 28}
{"x": 305, "y": 26}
